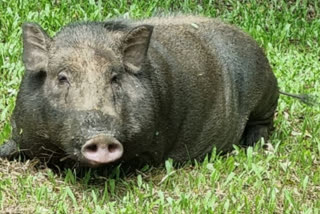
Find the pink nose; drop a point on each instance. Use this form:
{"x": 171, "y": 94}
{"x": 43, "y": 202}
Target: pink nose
{"x": 102, "y": 149}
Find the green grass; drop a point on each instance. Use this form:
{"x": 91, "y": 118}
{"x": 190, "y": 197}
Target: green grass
{"x": 285, "y": 178}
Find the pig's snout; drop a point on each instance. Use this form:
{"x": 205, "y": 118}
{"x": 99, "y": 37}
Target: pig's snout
{"x": 101, "y": 150}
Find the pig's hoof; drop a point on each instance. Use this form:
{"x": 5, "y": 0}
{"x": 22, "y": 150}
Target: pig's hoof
{"x": 8, "y": 149}
{"x": 254, "y": 133}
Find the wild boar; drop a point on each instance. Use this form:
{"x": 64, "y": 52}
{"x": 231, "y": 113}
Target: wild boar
{"x": 147, "y": 90}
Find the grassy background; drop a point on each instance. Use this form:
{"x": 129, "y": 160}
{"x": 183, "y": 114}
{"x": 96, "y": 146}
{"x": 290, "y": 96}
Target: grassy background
{"x": 285, "y": 178}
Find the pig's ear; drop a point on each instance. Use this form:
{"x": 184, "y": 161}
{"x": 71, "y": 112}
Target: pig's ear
{"x": 135, "y": 47}
{"x": 35, "y": 47}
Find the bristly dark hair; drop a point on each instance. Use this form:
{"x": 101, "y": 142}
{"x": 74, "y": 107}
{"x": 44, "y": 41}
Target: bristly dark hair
{"x": 115, "y": 26}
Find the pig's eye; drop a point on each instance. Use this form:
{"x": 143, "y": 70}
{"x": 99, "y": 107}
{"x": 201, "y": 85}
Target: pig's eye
{"x": 62, "y": 78}
{"x": 115, "y": 78}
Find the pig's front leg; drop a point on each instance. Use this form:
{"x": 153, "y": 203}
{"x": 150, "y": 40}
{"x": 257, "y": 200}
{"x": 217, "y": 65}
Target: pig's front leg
{"x": 8, "y": 149}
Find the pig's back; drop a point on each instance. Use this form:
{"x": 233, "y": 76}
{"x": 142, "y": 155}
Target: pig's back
{"x": 214, "y": 75}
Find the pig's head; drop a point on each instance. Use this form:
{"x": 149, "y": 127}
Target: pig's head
{"x": 86, "y": 93}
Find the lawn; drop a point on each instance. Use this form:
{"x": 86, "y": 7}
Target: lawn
{"x": 282, "y": 176}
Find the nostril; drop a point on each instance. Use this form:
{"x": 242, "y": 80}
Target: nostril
{"x": 101, "y": 150}
{"x": 91, "y": 148}
{"x": 112, "y": 147}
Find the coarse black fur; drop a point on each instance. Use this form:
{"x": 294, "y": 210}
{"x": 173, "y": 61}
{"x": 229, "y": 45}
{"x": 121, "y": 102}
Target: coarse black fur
{"x": 170, "y": 87}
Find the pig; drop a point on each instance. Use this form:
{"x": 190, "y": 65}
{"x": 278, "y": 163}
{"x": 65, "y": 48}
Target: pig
{"x": 129, "y": 91}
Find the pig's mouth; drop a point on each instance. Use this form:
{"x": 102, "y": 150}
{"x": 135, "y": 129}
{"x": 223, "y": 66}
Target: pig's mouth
{"x": 100, "y": 150}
